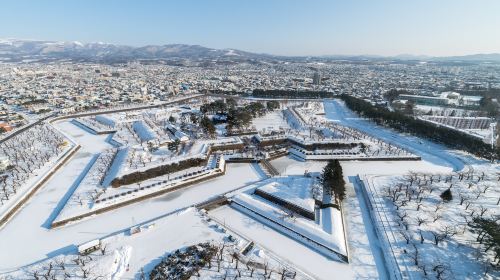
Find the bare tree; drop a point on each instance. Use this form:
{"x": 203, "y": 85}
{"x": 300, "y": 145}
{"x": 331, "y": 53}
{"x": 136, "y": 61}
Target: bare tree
{"x": 402, "y": 215}
{"x": 421, "y": 221}
{"x": 463, "y": 198}
{"x": 443, "y": 234}
{"x": 435, "y": 216}
{"x": 467, "y": 204}
{"x": 414, "y": 255}
{"x": 103, "y": 249}
{"x": 440, "y": 270}
{"x": 405, "y": 235}
{"x": 482, "y": 210}
{"x": 85, "y": 272}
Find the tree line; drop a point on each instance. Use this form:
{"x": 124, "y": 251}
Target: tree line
{"x": 276, "y": 93}
{"x": 140, "y": 176}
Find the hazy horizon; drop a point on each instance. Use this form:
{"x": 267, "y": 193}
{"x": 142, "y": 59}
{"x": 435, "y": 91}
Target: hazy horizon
{"x": 287, "y": 28}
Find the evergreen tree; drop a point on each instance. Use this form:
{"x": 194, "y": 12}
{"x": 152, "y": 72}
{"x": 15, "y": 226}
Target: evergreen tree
{"x": 488, "y": 234}
{"x": 239, "y": 118}
{"x": 446, "y": 195}
{"x": 333, "y": 180}
{"x": 193, "y": 118}
{"x": 272, "y": 105}
{"x": 207, "y": 126}
{"x": 338, "y": 183}
{"x": 327, "y": 177}
{"x": 231, "y": 103}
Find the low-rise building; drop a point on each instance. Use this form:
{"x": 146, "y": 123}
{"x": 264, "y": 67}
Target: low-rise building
{"x": 5, "y": 127}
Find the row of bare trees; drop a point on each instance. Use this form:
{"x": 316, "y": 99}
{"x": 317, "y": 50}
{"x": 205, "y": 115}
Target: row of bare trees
{"x": 70, "y": 267}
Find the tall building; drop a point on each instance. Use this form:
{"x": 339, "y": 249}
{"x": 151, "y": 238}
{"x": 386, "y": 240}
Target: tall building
{"x": 317, "y": 78}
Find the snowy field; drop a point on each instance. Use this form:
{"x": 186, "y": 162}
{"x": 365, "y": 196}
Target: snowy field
{"x": 292, "y": 166}
{"x": 271, "y": 121}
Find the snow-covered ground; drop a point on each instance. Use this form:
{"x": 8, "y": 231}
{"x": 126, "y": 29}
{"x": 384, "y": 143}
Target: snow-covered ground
{"x": 336, "y": 111}
{"x": 271, "y": 121}
{"x": 291, "y": 166}
{"x": 99, "y": 124}
{"x": 298, "y": 254}
{"x": 31, "y": 156}
{"x": 42, "y": 209}
{"x": 326, "y": 236}
{"x": 433, "y": 232}
{"x": 98, "y": 199}
{"x": 169, "y": 222}
{"x": 297, "y": 191}
{"x": 132, "y": 255}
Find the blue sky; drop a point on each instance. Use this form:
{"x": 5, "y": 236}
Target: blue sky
{"x": 286, "y": 27}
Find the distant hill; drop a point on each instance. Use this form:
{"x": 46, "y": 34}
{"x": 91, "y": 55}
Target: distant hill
{"x": 473, "y": 57}
{"x": 15, "y": 50}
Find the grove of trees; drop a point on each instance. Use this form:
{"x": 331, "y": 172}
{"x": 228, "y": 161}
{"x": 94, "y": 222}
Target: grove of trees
{"x": 488, "y": 235}
{"x": 238, "y": 117}
{"x": 218, "y": 261}
{"x": 272, "y": 105}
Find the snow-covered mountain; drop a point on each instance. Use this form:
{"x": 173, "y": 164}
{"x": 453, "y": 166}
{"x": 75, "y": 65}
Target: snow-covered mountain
{"x": 14, "y": 49}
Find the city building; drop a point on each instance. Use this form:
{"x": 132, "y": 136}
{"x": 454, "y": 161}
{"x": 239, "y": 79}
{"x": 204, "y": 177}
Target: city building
{"x": 461, "y": 122}
{"x": 317, "y": 78}
{"x": 5, "y": 127}
{"x": 448, "y": 98}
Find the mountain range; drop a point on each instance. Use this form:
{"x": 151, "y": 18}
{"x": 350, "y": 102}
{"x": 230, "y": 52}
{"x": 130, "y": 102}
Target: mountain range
{"x": 16, "y": 50}
{"x": 29, "y": 50}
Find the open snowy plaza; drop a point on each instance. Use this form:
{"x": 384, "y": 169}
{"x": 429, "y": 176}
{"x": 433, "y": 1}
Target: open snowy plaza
{"x": 183, "y": 190}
